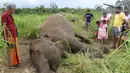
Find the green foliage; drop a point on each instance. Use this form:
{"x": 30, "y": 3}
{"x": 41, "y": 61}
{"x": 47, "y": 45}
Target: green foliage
{"x": 28, "y": 26}
{"x": 42, "y": 10}
{"x": 2, "y": 43}
{"x": 112, "y": 63}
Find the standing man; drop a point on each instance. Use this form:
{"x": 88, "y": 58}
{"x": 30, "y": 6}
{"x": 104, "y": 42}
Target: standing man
{"x": 119, "y": 19}
{"x": 10, "y": 35}
{"x": 88, "y": 18}
{"x": 127, "y": 16}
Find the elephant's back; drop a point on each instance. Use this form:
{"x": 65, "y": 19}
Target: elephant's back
{"x": 45, "y": 47}
{"x": 56, "y": 23}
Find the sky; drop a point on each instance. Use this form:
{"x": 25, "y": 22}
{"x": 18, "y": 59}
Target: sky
{"x": 60, "y": 3}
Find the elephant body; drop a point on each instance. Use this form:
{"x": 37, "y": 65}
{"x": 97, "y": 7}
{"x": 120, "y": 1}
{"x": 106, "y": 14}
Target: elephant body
{"x": 57, "y": 25}
{"x": 56, "y": 35}
{"x": 58, "y": 28}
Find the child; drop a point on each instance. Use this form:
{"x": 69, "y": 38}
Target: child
{"x": 96, "y": 31}
{"x": 103, "y": 29}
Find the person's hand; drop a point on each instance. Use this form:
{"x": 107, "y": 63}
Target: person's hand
{"x": 10, "y": 45}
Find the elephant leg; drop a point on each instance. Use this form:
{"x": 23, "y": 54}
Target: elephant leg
{"x": 44, "y": 68}
{"x": 76, "y": 45}
{"x": 41, "y": 63}
{"x": 83, "y": 38}
{"x": 69, "y": 41}
{"x": 54, "y": 64}
{"x": 52, "y": 71}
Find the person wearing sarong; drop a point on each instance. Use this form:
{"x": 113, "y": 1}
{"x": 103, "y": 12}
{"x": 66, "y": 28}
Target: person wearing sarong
{"x": 10, "y": 35}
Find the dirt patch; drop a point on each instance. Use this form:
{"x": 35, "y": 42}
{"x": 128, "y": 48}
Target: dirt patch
{"x": 26, "y": 65}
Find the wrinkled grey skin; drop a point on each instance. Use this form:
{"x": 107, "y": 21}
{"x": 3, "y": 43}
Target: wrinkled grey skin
{"x": 58, "y": 28}
{"x": 56, "y": 35}
{"x": 45, "y": 55}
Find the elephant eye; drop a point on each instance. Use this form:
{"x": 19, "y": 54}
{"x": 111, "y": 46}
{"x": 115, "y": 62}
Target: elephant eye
{"x": 53, "y": 40}
{"x": 37, "y": 52}
{"x": 46, "y": 36}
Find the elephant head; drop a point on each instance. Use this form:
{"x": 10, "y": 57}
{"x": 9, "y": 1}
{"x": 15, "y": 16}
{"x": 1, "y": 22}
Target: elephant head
{"x": 44, "y": 55}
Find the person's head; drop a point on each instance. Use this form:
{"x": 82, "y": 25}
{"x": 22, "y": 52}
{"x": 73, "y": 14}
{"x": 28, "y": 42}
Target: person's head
{"x": 97, "y": 22}
{"x": 104, "y": 21}
{"x": 126, "y": 12}
{"x": 88, "y": 10}
{"x": 118, "y": 9}
{"x": 104, "y": 14}
{"x": 11, "y": 8}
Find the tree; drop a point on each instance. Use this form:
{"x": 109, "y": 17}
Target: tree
{"x": 125, "y": 4}
{"x": 54, "y": 7}
{"x": 110, "y": 9}
{"x": 118, "y": 3}
{"x": 6, "y": 4}
{"x": 98, "y": 7}
{"x": 65, "y": 9}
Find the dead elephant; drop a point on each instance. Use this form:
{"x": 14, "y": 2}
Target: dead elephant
{"x": 56, "y": 34}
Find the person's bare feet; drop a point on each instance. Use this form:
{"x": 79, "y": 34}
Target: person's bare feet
{"x": 17, "y": 66}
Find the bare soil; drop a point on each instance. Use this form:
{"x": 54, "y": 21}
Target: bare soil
{"x": 26, "y": 65}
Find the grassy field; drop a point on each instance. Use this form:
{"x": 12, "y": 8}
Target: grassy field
{"x": 118, "y": 61}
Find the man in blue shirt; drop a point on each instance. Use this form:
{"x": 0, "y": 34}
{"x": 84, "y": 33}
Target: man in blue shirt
{"x": 88, "y": 18}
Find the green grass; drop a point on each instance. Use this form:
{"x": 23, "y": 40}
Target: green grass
{"x": 28, "y": 25}
{"x": 118, "y": 61}
{"x": 2, "y": 43}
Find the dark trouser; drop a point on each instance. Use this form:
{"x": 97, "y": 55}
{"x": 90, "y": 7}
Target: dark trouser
{"x": 116, "y": 34}
{"x": 87, "y": 25}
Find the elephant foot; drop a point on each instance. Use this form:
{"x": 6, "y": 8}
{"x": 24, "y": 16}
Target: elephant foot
{"x": 105, "y": 50}
{"x": 96, "y": 53}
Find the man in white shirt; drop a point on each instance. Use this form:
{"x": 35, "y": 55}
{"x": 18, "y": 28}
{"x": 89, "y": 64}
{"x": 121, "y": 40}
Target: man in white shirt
{"x": 127, "y": 16}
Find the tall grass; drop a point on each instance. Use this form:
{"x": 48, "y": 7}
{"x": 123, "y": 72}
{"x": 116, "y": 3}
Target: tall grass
{"x": 28, "y": 25}
{"x": 2, "y": 43}
{"x": 115, "y": 63}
